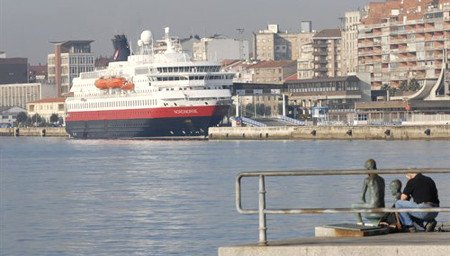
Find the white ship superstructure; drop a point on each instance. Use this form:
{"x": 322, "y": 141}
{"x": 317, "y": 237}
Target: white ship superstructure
{"x": 152, "y": 94}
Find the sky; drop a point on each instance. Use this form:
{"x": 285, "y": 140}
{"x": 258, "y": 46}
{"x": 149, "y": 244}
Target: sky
{"x": 28, "y": 26}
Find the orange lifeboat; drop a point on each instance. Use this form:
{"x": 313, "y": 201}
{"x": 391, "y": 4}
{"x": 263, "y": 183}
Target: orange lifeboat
{"x": 128, "y": 86}
{"x": 101, "y": 83}
{"x": 104, "y": 83}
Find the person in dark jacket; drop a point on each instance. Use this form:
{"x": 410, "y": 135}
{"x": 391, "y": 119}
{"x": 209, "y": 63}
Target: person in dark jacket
{"x": 423, "y": 191}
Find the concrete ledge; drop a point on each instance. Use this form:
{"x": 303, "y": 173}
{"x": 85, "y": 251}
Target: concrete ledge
{"x": 419, "y": 132}
{"x": 35, "y": 131}
{"x": 402, "y": 244}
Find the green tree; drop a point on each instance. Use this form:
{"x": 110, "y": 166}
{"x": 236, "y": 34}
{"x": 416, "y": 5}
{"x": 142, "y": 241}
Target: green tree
{"x": 403, "y": 86}
{"x": 260, "y": 109}
{"x": 36, "y": 120}
{"x": 249, "y": 110}
{"x": 54, "y": 118}
{"x": 413, "y": 85}
{"x": 21, "y": 118}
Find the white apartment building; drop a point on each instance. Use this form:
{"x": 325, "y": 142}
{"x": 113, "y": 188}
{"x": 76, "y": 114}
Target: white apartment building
{"x": 349, "y": 44}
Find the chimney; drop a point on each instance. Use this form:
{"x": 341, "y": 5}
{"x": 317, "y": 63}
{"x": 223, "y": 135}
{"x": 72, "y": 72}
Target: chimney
{"x": 58, "y": 69}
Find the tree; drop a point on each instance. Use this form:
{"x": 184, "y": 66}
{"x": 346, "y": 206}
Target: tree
{"x": 54, "y": 118}
{"x": 403, "y": 86}
{"x": 249, "y": 110}
{"x": 413, "y": 85}
{"x": 22, "y": 118}
{"x": 37, "y": 120}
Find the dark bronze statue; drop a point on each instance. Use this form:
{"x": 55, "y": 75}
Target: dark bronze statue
{"x": 373, "y": 193}
{"x": 396, "y": 189}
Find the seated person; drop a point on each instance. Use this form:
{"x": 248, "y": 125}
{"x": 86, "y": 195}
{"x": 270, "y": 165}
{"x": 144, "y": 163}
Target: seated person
{"x": 373, "y": 193}
{"x": 423, "y": 191}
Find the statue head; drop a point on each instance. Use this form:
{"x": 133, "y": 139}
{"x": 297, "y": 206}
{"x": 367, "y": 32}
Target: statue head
{"x": 370, "y": 164}
{"x": 395, "y": 186}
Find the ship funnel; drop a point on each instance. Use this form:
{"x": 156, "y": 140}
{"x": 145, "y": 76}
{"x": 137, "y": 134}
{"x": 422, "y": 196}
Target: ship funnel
{"x": 121, "y": 48}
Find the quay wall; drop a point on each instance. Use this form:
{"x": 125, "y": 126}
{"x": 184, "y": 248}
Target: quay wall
{"x": 418, "y": 132}
{"x": 34, "y": 131}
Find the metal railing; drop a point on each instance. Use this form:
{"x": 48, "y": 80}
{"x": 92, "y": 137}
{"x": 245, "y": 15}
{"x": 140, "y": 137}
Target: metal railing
{"x": 252, "y": 122}
{"x": 262, "y": 211}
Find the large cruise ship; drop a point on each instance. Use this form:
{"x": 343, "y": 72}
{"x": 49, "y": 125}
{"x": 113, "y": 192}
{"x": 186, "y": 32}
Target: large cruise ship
{"x": 157, "y": 92}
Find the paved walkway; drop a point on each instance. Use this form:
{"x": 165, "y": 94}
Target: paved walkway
{"x": 421, "y": 243}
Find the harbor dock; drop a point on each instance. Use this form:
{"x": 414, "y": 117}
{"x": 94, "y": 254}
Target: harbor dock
{"x": 417, "y": 132}
{"x": 398, "y": 244}
{"x": 34, "y": 131}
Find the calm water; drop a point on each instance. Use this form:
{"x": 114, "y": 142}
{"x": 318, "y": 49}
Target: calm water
{"x": 71, "y": 197}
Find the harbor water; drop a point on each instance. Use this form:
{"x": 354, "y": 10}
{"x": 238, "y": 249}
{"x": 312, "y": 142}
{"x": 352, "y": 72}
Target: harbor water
{"x": 118, "y": 197}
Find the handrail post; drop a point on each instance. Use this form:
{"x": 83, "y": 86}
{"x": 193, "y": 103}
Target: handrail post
{"x": 262, "y": 215}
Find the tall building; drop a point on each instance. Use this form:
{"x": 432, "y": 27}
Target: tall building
{"x": 219, "y": 48}
{"x": 67, "y": 62}
{"x": 305, "y": 61}
{"x": 13, "y": 70}
{"x": 327, "y": 53}
{"x": 403, "y": 39}
{"x": 349, "y": 45}
{"x": 272, "y": 44}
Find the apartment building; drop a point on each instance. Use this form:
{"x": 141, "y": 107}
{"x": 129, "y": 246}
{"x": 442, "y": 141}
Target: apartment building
{"x": 327, "y": 53}
{"x": 67, "y": 62}
{"x": 349, "y": 44}
{"x": 403, "y": 39}
{"x": 272, "y": 44}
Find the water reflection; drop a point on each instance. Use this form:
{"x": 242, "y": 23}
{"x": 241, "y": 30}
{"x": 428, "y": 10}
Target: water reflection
{"x": 177, "y": 197}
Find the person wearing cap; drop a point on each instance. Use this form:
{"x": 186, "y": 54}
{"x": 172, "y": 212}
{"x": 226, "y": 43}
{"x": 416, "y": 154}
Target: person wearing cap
{"x": 423, "y": 191}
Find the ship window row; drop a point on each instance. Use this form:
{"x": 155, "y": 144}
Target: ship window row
{"x": 189, "y": 69}
{"x": 178, "y": 78}
{"x": 191, "y": 88}
{"x": 129, "y": 103}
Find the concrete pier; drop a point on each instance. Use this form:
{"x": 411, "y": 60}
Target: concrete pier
{"x": 419, "y": 132}
{"x": 399, "y": 244}
{"x": 34, "y": 131}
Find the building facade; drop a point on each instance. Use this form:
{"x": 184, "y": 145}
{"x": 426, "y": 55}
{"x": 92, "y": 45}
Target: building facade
{"x": 338, "y": 94}
{"x": 9, "y": 116}
{"x": 47, "y": 107}
{"x": 219, "y": 48}
{"x": 327, "y": 53}
{"x": 272, "y": 72}
{"x": 401, "y": 40}
{"x": 349, "y": 44}
{"x": 272, "y": 44}
{"x": 67, "y": 62}
{"x": 13, "y": 70}
{"x": 19, "y": 94}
